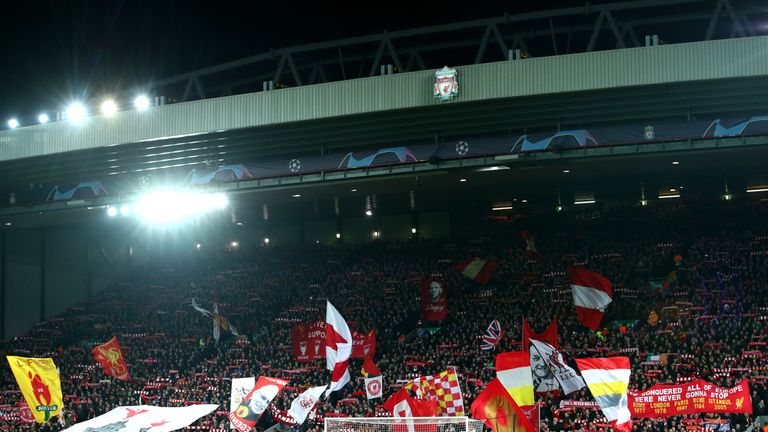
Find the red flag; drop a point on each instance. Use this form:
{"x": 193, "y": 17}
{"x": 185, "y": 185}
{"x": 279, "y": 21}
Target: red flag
{"x": 478, "y": 269}
{"x": 401, "y": 404}
{"x": 434, "y": 302}
{"x": 592, "y": 293}
{"x": 111, "y": 359}
{"x": 369, "y": 368}
{"x": 496, "y": 408}
{"x": 363, "y": 344}
{"x": 549, "y": 335}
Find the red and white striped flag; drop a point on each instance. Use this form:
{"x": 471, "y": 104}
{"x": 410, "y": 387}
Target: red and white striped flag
{"x": 592, "y": 293}
{"x": 338, "y": 347}
{"x": 607, "y": 379}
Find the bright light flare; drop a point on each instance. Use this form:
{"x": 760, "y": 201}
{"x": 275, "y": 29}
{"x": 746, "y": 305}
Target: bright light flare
{"x": 108, "y": 108}
{"x": 141, "y": 102}
{"x": 76, "y": 112}
{"x": 43, "y": 118}
{"x": 112, "y": 211}
{"x": 166, "y": 206}
{"x": 13, "y": 123}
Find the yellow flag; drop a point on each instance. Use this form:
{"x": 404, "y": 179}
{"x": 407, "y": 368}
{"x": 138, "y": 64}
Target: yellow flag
{"x": 39, "y": 382}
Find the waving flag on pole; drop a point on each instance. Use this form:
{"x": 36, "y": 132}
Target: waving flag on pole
{"x": 549, "y": 335}
{"x": 111, "y": 359}
{"x": 496, "y": 408}
{"x": 38, "y": 380}
{"x": 592, "y": 293}
{"x": 338, "y": 347}
{"x": 219, "y": 322}
{"x": 568, "y": 379}
{"x": 492, "y": 336}
{"x": 478, "y": 269}
{"x": 304, "y": 403}
{"x": 607, "y": 379}
{"x": 513, "y": 370}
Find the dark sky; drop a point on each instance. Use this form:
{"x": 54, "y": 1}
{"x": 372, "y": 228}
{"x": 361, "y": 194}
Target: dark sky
{"x": 55, "y": 50}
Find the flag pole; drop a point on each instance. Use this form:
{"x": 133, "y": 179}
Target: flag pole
{"x": 538, "y": 415}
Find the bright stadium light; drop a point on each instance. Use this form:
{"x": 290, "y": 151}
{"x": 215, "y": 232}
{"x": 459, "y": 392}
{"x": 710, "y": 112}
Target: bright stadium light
{"x": 369, "y": 213}
{"x": 266, "y": 240}
{"x": 141, "y": 102}
{"x": 108, "y": 108}
{"x": 76, "y": 112}
{"x": 111, "y": 211}
{"x": 413, "y": 230}
{"x": 164, "y": 206}
{"x": 43, "y": 118}
{"x": 13, "y": 123}
{"x": 198, "y": 246}
{"x": 125, "y": 210}
{"x": 338, "y": 235}
{"x": 234, "y": 244}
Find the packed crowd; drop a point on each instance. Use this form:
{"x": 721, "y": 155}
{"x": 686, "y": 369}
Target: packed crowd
{"x": 688, "y": 285}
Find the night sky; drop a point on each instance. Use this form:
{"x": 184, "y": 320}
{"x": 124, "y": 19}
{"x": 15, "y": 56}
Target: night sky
{"x": 57, "y": 50}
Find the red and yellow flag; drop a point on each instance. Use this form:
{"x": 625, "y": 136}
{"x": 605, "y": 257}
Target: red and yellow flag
{"x": 111, "y": 359}
{"x": 496, "y": 408}
{"x": 39, "y": 382}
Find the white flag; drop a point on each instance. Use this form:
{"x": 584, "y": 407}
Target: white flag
{"x": 568, "y": 379}
{"x": 240, "y": 388}
{"x": 302, "y": 405}
{"x": 373, "y": 387}
{"x": 145, "y": 417}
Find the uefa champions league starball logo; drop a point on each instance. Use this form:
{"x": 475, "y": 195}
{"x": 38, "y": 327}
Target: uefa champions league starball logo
{"x": 294, "y": 165}
{"x": 462, "y": 148}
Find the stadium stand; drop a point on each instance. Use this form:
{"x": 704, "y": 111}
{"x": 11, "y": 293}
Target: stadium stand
{"x": 688, "y": 283}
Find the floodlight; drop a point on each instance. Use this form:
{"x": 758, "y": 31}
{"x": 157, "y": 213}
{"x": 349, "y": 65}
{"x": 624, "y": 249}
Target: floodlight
{"x": 368, "y": 213}
{"x": 165, "y": 206}
{"x": 125, "y": 210}
{"x": 43, "y": 118}
{"x": 13, "y": 123}
{"x": 198, "y": 246}
{"x": 76, "y": 112}
{"x": 413, "y": 230}
{"x": 266, "y": 240}
{"x": 338, "y": 235}
{"x": 141, "y": 102}
{"x": 234, "y": 244}
{"x": 112, "y": 211}
{"x": 108, "y": 108}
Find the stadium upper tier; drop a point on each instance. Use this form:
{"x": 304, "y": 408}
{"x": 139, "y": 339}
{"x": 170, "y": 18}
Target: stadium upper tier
{"x": 647, "y": 82}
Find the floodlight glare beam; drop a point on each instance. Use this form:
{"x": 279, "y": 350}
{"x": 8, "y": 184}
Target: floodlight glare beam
{"x": 141, "y": 102}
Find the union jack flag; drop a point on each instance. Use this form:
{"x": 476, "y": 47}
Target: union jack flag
{"x": 492, "y": 336}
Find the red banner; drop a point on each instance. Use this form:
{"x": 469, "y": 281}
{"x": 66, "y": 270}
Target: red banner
{"x": 111, "y": 359}
{"x": 690, "y": 398}
{"x": 308, "y": 342}
{"x": 434, "y": 299}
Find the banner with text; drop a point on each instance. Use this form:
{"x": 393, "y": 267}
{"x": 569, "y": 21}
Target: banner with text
{"x": 308, "y": 342}
{"x": 690, "y": 398}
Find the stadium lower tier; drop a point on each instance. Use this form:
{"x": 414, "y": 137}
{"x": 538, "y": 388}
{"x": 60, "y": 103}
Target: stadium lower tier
{"x": 687, "y": 303}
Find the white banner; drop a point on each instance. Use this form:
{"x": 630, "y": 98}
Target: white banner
{"x": 373, "y": 387}
{"x": 240, "y": 388}
{"x": 145, "y": 417}
{"x": 568, "y": 379}
{"x": 303, "y": 404}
